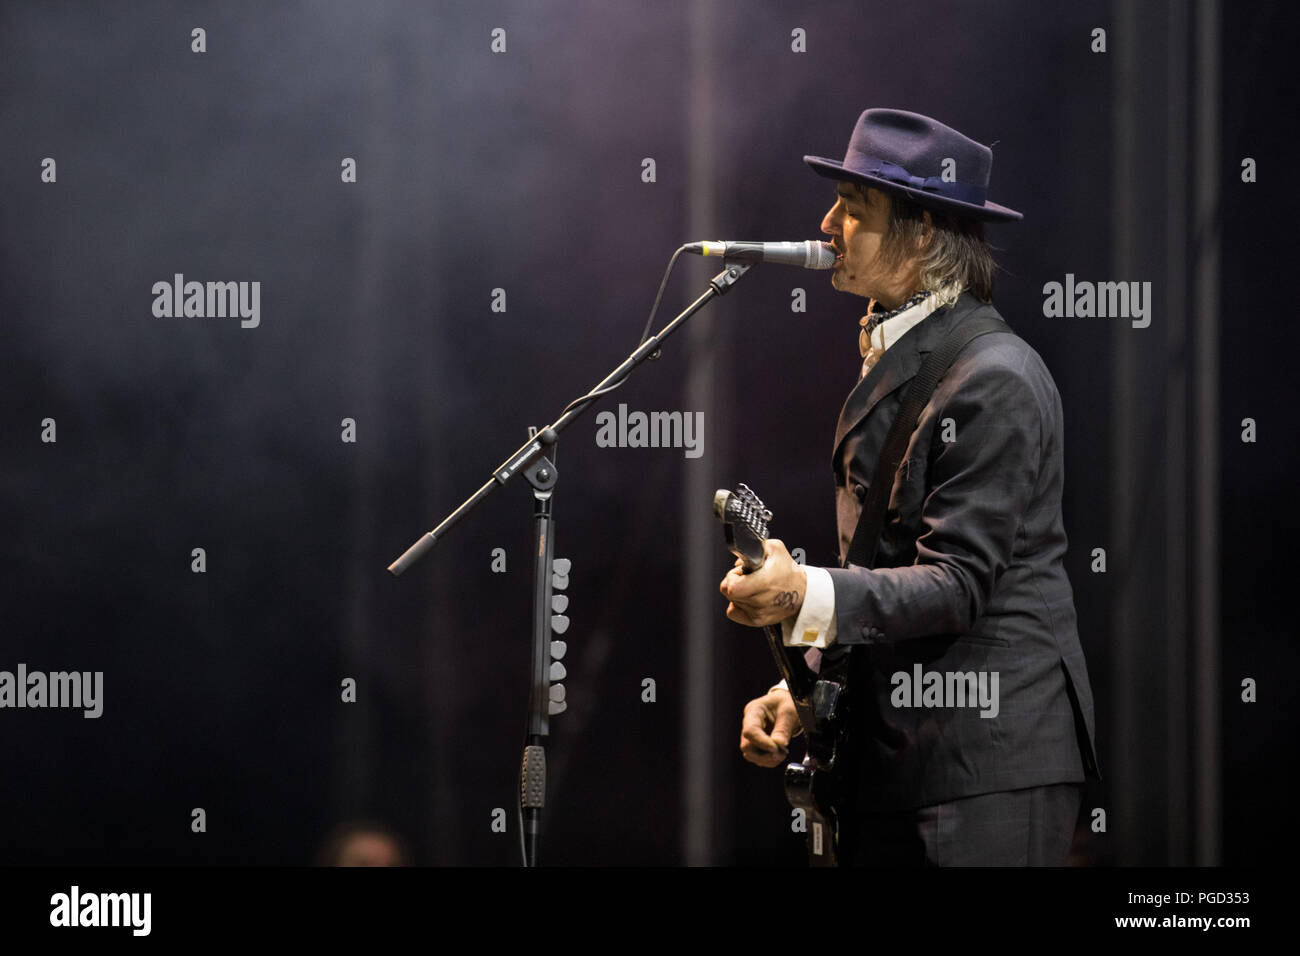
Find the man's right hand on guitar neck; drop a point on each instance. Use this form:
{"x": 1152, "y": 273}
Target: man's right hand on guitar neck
{"x": 765, "y": 731}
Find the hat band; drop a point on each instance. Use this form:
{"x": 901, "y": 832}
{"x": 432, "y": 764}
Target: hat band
{"x": 962, "y": 192}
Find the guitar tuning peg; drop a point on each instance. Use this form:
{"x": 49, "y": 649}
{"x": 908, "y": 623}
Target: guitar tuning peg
{"x": 557, "y": 693}
{"x": 559, "y": 603}
{"x": 557, "y": 650}
{"x": 554, "y": 707}
{"x": 559, "y": 623}
{"x": 557, "y": 671}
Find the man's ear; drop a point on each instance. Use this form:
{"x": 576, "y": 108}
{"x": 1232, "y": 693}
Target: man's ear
{"x": 927, "y": 233}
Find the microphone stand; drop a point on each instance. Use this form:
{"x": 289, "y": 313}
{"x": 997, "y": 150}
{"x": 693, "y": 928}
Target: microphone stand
{"x": 540, "y": 471}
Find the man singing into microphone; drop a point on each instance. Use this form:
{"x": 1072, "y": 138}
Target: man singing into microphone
{"x": 968, "y": 581}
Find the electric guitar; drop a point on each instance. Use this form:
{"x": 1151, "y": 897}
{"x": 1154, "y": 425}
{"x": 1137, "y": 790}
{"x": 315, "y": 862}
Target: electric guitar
{"x": 817, "y": 785}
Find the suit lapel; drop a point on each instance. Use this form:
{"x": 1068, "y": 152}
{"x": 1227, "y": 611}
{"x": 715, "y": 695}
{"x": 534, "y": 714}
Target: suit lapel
{"x": 898, "y": 365}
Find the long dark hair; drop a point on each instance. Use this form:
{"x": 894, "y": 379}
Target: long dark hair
{"x": 952, "y": 254}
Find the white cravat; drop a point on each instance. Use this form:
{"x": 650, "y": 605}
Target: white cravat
{"x": 872, "y": 338}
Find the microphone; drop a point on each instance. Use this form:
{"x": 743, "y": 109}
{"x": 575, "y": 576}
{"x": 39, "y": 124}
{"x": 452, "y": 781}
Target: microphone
{"x": 809, "y": 254}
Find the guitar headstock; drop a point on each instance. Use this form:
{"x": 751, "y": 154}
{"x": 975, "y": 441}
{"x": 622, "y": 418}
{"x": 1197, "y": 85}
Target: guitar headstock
{"x": 744, "y": 520}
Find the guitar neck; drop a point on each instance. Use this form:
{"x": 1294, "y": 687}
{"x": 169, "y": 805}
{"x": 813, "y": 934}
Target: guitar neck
{"x": 796, "y": 676}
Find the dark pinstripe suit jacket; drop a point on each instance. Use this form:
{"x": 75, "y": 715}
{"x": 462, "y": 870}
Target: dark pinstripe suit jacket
{"x": 968, "y": 576}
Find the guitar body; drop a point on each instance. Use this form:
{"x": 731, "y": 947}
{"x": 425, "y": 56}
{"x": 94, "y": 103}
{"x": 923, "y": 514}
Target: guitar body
{"x": 817, "y": 784}
{"x": 818, "y": 684}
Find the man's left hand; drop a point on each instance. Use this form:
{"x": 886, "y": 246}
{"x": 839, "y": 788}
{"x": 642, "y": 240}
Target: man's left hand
{"x": 769, "y": 595}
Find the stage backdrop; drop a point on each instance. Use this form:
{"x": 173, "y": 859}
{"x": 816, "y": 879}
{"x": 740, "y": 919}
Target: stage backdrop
{"x": 428, "y": 226}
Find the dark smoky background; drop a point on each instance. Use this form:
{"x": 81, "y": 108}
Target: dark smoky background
{"x": 522, "y": 171}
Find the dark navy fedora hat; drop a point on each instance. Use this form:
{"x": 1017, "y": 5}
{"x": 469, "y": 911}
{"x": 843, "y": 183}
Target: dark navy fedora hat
{"x": 903, "y": 152}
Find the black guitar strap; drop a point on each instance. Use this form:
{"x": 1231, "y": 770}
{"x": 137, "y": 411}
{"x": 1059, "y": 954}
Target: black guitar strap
{"x": 866, "y": 538}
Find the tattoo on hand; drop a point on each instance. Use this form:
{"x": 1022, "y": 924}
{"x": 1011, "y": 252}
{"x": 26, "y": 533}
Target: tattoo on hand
{"x": 785, "y": 599}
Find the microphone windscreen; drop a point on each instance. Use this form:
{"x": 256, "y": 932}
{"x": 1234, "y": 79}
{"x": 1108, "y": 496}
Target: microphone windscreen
{"x": 821, "y": 255}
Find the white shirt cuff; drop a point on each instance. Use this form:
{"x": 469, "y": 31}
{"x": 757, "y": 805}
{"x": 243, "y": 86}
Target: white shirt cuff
{"x": 815, "y": 624}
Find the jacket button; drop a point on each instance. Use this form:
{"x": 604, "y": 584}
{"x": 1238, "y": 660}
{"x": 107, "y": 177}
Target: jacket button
{"x": 860, "y": 491}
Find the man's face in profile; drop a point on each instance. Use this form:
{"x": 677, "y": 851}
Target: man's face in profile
{"x": 857, "y": 224}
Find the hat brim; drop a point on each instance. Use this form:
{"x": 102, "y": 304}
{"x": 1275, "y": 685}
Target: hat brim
{"x": 989, "y": 212}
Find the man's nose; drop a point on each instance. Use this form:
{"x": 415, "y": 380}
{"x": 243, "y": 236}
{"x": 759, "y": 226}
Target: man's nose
{"x": 830, "y": 223}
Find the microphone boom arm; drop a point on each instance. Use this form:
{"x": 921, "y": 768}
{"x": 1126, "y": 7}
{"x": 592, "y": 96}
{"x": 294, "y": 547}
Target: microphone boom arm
{"x": 523, "y": 456}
